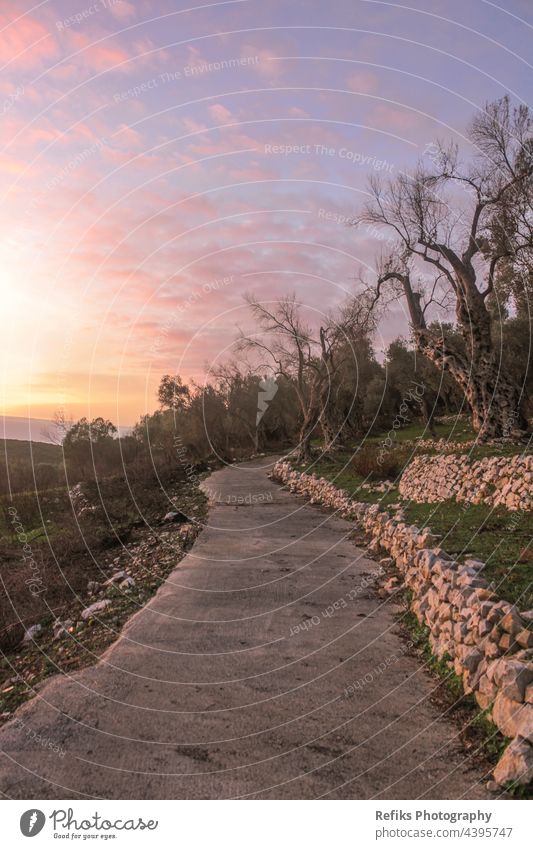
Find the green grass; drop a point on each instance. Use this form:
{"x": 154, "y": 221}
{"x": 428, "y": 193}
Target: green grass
{"x": 491, "y": 534}
{"x": 337, "y": 469}
{"x": 459, "y": 430}
{"x": 500, "y": 538}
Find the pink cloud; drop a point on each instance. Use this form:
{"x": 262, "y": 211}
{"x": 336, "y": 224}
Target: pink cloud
{"x": 396, "y": 119}
{"x": 297, "y": 112}
{"x": 123, "y": 10}
{"x": 25, "y": 41}
{"x": 363, "y": 82}
{"x": 220, "y": 113}
{"x": 251, "y": 173}
{"x": 267, "y": 63}
{"x": 127, "y": 137}
{"x": 9, "y": 165}
{"x": 99, "y": 56}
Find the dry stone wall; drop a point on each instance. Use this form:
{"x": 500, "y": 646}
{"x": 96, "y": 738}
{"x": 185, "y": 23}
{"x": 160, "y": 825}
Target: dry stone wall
{"x": 487, "y": 641}
{"x": 492, "y": 480}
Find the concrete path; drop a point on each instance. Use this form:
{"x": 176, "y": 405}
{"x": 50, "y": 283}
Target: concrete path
{"x": 263, "y": 668}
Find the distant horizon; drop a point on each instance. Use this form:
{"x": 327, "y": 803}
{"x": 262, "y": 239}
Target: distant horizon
{"x": 24, "y": 429}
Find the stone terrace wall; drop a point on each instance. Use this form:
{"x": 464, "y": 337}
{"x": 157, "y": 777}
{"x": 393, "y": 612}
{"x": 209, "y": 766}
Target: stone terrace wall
{"x": 492, "y": 480}
{"x": 487, "y": 641}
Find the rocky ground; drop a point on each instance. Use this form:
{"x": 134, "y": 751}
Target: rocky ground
{"x": 128, "y": 575}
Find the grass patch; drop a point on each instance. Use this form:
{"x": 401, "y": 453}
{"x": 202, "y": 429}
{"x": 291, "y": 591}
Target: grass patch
{"x": 339, "y": 469}
{"x": 459, "y": 430}
{"x": 491, "y": 534}
{"x": 500, "y": 538}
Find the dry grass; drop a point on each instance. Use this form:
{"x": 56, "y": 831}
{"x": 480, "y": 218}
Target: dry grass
{"x": 373, "y": 462}
{"x": 48, "y": 554}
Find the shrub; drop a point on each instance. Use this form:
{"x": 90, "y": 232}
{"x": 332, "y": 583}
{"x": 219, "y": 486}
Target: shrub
{"x": 376, "y": 463}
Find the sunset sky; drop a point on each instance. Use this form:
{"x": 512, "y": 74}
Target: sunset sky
{"x": 157, "y": 163}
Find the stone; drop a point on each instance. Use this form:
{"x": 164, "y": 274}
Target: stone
{"x": 524, "y": 638}
{"x": 174, "y": 516}
{"x": 525, "y": 723}
{"x": 97, "y": 607}
{"x": 483, "y": 628}
{"x": 492, "y": 649}
{"x": 516, "y": 764}
{"x": 60, "y": 629}
{"x": 513, "y": 718}
{"x": 127, "y": 583}
{"x": 486, "y": 687}
{"x": 483, "y": 700}
{"x": 512, "y": 622}
{"x": 116, "y": 578}
{"x": 475, "y": 564}
{"x": 443, "y": 555}
{"x": 512, "y": 677}
{"x": 32, "y": 633}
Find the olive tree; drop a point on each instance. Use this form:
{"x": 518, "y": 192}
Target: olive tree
{"x": 443, "y": 217}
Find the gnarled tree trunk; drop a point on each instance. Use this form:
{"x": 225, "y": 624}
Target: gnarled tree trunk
{"x": 329, "y": 434}
{"x": 493, "y": 397}
{"x": 303, "y": 451}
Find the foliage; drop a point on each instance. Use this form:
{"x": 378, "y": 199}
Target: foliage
{"x": 173, "y": 394}
{"x": 89, "y": 444}
{"x": 372, "y": 462}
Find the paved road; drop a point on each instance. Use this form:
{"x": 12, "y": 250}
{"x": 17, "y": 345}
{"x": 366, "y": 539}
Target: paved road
{"x": 214, "y": 691}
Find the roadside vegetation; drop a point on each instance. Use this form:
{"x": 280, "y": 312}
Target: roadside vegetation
{"x": 500, "y": 538}
{"x": 71, "y": 558}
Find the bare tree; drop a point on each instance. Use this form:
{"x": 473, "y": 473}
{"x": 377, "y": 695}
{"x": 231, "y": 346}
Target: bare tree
{"x": 60, "y": 426}
{"x": 309, "y": 359}
{"x": 443, "y": 217}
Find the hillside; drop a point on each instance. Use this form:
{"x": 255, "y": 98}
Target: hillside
{"x": 22, "y": 450}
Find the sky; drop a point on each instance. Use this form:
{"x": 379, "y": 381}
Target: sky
{"x": 160, "y": 159}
